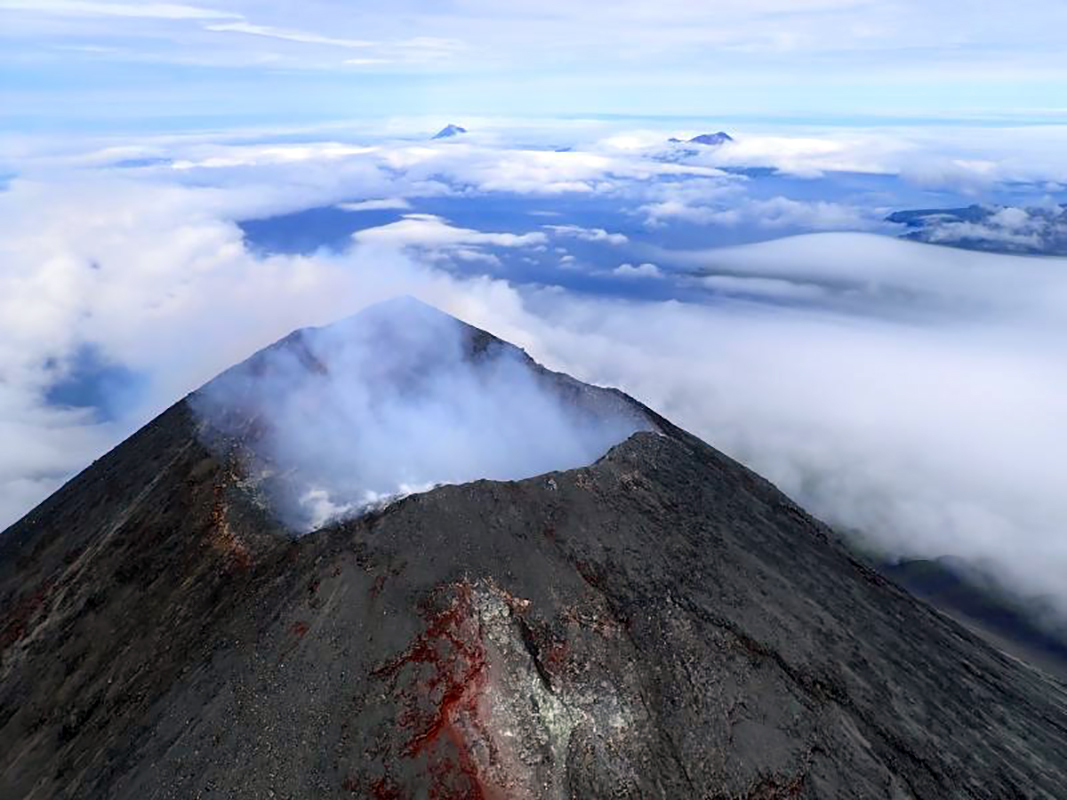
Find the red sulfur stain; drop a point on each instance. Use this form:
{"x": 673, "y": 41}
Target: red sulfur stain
{"x": 384, "y": 789}
{"x": 588, "y": 573}
{"x": 376, "y": 587}
{"x": 242, "y": 559}
{"x": 17, "y": 620}
{"x": 452, "y": 652}
{"x": 222, "y": 537}
{"x": 556, "y": 657}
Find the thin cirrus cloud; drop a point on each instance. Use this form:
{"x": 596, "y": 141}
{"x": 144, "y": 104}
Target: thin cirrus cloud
{"x": 78, "y": 8}
{"x": 179, "y": 25}
{"x": 814, "y": 59}
{"x": 416, "y": 50}
{"x": 288, "y": 35}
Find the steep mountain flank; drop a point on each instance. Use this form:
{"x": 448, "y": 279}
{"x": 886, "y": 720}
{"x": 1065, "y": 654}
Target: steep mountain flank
{"x": 660, "y": 623}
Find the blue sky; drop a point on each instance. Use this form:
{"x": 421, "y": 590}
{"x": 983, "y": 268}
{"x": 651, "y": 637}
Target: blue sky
{"x": 73, "y": 64}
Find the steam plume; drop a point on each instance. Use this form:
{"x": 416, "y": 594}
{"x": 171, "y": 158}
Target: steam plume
{"x": 332, "y": 421}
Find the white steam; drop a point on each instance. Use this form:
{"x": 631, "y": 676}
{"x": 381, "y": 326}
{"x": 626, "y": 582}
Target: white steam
{"x": 396, "y": 400}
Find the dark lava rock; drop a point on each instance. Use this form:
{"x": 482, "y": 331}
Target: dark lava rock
{"x": 1026, "y": 627}
{"x": 661, "y": 623}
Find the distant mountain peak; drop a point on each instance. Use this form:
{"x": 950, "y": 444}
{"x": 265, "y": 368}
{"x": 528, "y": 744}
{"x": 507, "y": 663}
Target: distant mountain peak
{"x": 710, "y": 139}
{"x": 449, "y": 131}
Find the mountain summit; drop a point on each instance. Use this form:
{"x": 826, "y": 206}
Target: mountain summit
{"x": 657, "y": 621}
{"x": 449, "y": 131}
{"x": 401, "y": 397}
{"x": 710, "y": 139}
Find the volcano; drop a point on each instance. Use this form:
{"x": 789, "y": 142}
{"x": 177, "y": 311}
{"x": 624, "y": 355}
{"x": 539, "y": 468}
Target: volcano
{"x": 449, "y": 131}
{"x": 656, "y": 621}
{"x": 709, "y": 139}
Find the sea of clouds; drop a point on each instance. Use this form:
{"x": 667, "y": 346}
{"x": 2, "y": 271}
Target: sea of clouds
{"x": 912, "y": 392}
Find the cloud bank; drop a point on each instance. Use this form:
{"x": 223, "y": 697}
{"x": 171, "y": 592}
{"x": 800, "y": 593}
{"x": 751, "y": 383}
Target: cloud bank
{"x": 915, "y": 393}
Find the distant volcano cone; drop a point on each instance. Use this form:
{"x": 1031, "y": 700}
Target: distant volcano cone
{"x": 659, "y": 623}
{"x": 449, "y": 131}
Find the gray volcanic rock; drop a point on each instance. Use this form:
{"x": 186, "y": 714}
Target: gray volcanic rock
{"x": 661, "y": 623}
{"x": 1023, "y": 626}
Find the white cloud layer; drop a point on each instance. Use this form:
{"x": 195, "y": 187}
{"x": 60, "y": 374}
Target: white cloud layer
{"x": 778, "y": 212}
{"x": 638, "y": 271}
{"x": 587, "y": 234}
{"x": 385, "y": 204}
{"x": 914, "y": 392}
{"x": 429, "y": 232}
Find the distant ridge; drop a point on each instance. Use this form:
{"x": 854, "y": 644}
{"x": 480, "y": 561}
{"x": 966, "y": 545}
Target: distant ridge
{"x": 1033, "y": 230}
